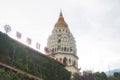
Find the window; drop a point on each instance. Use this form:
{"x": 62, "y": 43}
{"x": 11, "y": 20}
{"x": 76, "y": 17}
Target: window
{"x": 59, "y": 40}
{"x": 70, "y": 49}
{"x": 64, "y": 48}
{"x": 67, "y": 49}
{"x": 55, "y": 49}
{"x": 65, "y": 60}
{"x": 69, "y": 61}
{"x": 74, "y": 63}
{"x": 58, "y": 47}
{"x": 59, "y": 30}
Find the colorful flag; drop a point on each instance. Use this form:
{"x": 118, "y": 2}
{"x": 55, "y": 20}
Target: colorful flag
{"x": 28, "y": 40}
{"x": 46, "y": 50}
{"x": 18, "y": 35}
{"x": 38, "y": 45}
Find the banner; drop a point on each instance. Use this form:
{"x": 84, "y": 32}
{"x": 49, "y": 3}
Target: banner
{"x": 38, "y": 45}
{"x": 28, "y": 40}
{"x": 46, "y": 50}
{"x": 18, "y": 35}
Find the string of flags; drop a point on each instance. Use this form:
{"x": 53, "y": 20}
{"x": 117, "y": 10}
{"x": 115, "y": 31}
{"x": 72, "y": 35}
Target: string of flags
{"x": 28, "y": 40}
{"x": 7, "y": 29}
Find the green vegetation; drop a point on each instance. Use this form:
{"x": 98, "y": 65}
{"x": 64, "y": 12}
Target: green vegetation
{"x": 10, "y": 75}
{"x": 24, "y": 58}
{"x": 88, "y": 75}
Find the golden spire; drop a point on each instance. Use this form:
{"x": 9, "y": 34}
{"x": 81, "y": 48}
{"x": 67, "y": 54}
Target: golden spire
{"x": 61, "y": 22}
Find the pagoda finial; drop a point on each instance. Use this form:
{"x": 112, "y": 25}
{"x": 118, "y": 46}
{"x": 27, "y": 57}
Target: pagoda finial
{"x": 61, "y": 13}
{"x": 61, "y": 22}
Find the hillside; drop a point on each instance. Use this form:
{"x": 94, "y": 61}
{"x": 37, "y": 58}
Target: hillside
{"x": 20, "y": 56}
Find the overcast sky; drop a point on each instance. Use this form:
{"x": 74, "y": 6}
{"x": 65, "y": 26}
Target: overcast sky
{"x": 95, "y": 24}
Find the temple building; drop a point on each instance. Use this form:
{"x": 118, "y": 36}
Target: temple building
{"x": 61, "y": 45}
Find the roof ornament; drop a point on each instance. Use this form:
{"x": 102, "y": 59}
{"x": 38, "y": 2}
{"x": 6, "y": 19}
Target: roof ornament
{"x": 61, "y": 22}
{"x": 61, "y": 13}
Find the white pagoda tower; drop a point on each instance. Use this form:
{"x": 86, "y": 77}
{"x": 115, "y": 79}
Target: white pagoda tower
{"x": 62, "y": 47}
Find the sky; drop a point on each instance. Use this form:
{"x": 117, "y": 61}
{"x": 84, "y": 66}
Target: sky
{"x": 95, "y": 24}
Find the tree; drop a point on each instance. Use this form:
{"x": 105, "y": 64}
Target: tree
{"x": 100, "y": 76}
{"x": 76, "y": 76}
{"x": 85, "y": 75}
{"x": 117, "y": 75}
{"x": 89, "y": 75}
{"x": 111, "y": 78}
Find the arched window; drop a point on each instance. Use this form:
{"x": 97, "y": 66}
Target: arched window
{"x": 59, "y": 40}
{"x": 74, "y": 63}
{"x": 69, "y": 61}
{"x": 55, "y": 49}
{"x": 70, "y": 49}
{"x": 65, "y": 60}
{"x": 58, "y": 47}
{"x": 59, "y": 30}
{"x": 62, "y": 48}
{"x": 65, "y": 49}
